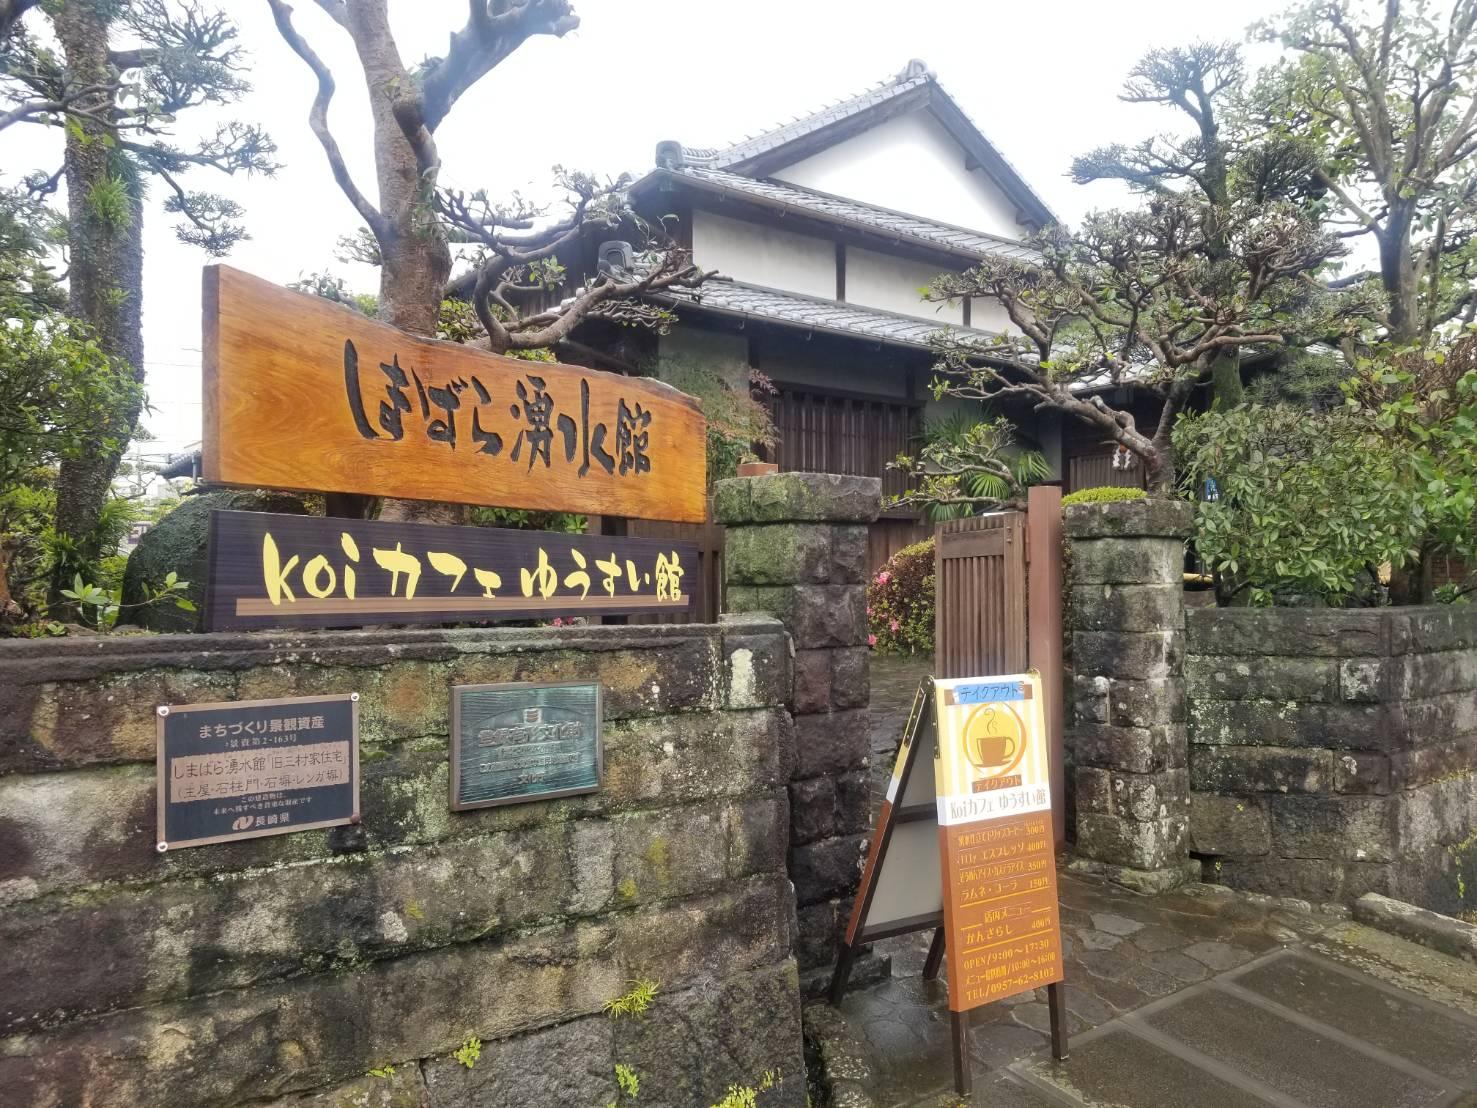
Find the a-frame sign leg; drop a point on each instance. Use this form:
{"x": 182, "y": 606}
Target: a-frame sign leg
{"x": 963, "y": 1078}
{"x": 841, "y": 973}
{"x": 935, "y": 959}
{"x": 1056, "y": 1003}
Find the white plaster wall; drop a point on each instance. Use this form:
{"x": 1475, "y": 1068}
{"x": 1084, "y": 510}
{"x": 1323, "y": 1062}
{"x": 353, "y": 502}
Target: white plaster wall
{"x": 912, "y": 164}
{"x": 988, "y": 314}
{"x": 892, "y": 284}
{"x": 763, "y": 255}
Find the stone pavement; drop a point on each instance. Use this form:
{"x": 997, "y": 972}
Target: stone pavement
{"x": 894, "y": 681}
{"x": 1197, "y": 997}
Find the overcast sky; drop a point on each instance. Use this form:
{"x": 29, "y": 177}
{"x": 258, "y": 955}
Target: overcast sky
{"x": 1040, "y": 79}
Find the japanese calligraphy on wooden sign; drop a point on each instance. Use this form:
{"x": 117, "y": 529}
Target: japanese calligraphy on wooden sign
{"x": 267, "y": 570}
{"x": 243, "y": 769}
{"x": 519, "y": 741}
{"x": 301, "y": 393}
{"x": 1001, "y": 924}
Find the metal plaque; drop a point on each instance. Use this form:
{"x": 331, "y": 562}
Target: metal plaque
{"x": 520, "y": 741}
{"x": 247, "y": 768}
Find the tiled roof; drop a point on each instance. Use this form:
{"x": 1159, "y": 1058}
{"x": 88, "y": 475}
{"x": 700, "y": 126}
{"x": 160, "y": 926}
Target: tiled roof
{"x": 735, "y": 298}
{"x": 832, "y": 316}
{"x": 884, "y": 221}
{"x": 915, "y": 76}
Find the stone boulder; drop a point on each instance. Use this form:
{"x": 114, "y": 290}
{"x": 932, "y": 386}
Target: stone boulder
{"x": 178, "y": 542}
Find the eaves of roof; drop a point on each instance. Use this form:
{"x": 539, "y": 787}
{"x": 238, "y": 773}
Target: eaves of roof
{"x": 869, "y": 219}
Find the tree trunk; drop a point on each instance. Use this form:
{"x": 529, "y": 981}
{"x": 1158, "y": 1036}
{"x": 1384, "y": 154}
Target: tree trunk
{"x": 415, "y": 259}
{"x": 105, "y": 280}
{"x": 1398, "y": 275}
{"x": 1225, "y": 379}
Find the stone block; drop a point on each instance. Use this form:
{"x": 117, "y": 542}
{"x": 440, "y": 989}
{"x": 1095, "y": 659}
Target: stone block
{"x": 1260, "y": 769}
{"x": 1422, "y": 720}
{"x": 1412, "y": 768}
{"x": 827, "y": 869}
{"x": 821, "y": 928}
{"x": 88, "y": 826}
{"x": 119, "y": 948}
{"x": 850, "y": 550}
{"x": 1128, "y": 749}
{"x": 1432, "y": 627}
{"x": 797, "y": 498}
{"x": 758, "y": 668}
{"x": 1125, "y": 562}
{"x": 1316, "y": 880}
{"x": 1235, "y": 825}
{"x": 572, "y": 1063}
{"x": 1094, "y": 789}
{"x": 1289, "y": 632}
{"x": 1229, "y": 677}
{"x": 831, "y": 742}
{"x": 812, "y": 810}
{"x": 1291, "y": 723}
{"x": 1113, "y": 607}
{"x": 690, "y": 1047}
{"x": 1147, "y": 703}
{"x": 1151, "y": 796}
{"x": 1441, "y": 812}
{"x": 853, "y": 803}
{"x": 301, "y": 1034}
{"x": 1089, "y": 701}
{"x": 829, "y": 615}
{"x": 1365, "y": 680}
{"x": 778, "y": 554}
{"x": 1344, "y": 828}
{"x": 851, "y": 685}
{"x": 1121, "y": 841}
{"x": 1152, "y": 516}
{"x": 1355, "y": 772}
{"x": 1129, "y": 655}
{"x": 1425, "y": 675}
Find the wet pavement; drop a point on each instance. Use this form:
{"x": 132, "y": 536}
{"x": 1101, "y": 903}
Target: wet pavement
{"x": 1196, "y": 997}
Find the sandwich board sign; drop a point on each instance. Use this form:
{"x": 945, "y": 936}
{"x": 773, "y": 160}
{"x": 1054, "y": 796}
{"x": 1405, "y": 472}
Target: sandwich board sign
{"x": 968, "y": 851}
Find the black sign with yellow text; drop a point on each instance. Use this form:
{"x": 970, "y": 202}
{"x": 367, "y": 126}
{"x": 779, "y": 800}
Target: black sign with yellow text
{"x": 270, "y": 570}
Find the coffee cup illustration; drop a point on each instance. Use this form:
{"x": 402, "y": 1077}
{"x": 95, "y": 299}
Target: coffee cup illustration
{"x": 994, "y": 738}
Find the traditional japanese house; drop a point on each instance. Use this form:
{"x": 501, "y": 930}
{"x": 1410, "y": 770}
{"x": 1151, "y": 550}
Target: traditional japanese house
{"x": 825, "y": 231}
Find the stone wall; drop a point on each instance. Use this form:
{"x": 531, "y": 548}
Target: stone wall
{"x": 269, "y": 969}
{"x": 1334, "y": 753}
{"x": 1125, "y": 735}
{"x": 796, "y": 548}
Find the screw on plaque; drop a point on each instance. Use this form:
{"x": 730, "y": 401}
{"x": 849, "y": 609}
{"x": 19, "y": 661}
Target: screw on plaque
{"x": 161, "y": 847}
{"x": 163, "y": 709}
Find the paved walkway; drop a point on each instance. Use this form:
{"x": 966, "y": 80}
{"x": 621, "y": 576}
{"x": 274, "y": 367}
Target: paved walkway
{"x": 1200, "y": 997}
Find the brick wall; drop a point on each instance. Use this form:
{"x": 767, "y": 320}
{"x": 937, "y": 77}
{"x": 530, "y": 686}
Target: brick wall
{"x": 1334, "y": 753}
{"x": 280, "y": 967}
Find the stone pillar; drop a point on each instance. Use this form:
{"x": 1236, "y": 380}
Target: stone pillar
{"x": 796, "y": 548}
{"x": 1126, "y": 736}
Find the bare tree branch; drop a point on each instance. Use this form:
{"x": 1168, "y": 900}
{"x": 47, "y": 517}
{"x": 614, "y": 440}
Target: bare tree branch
{"x": 318, "y": 119}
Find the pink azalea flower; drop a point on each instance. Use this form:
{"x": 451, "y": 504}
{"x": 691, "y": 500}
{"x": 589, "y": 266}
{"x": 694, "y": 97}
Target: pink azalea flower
{"x": 869, "y": 611}
{"x": 871, "y": 640}
{"x": 883, "y": 577}
{"x": 894, "y": 625}
{"x": 558, "y": 621}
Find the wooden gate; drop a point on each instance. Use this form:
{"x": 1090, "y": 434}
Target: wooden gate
{"x": 998, "y": 607}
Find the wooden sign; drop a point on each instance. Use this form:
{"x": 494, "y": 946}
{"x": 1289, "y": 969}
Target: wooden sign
{"x": 248, "y": 768}
{"x": 302, "y": 393}
{"x": 967, "y": 851}
{"x": 1002, "y": 930}
{"x": 517, "y": 741}
{"x": 268, "y": 570}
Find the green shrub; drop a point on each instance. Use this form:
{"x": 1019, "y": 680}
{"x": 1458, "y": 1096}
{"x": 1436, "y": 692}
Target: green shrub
{"x": 1103, "y": 495}
{"x": 900, "y": 602}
